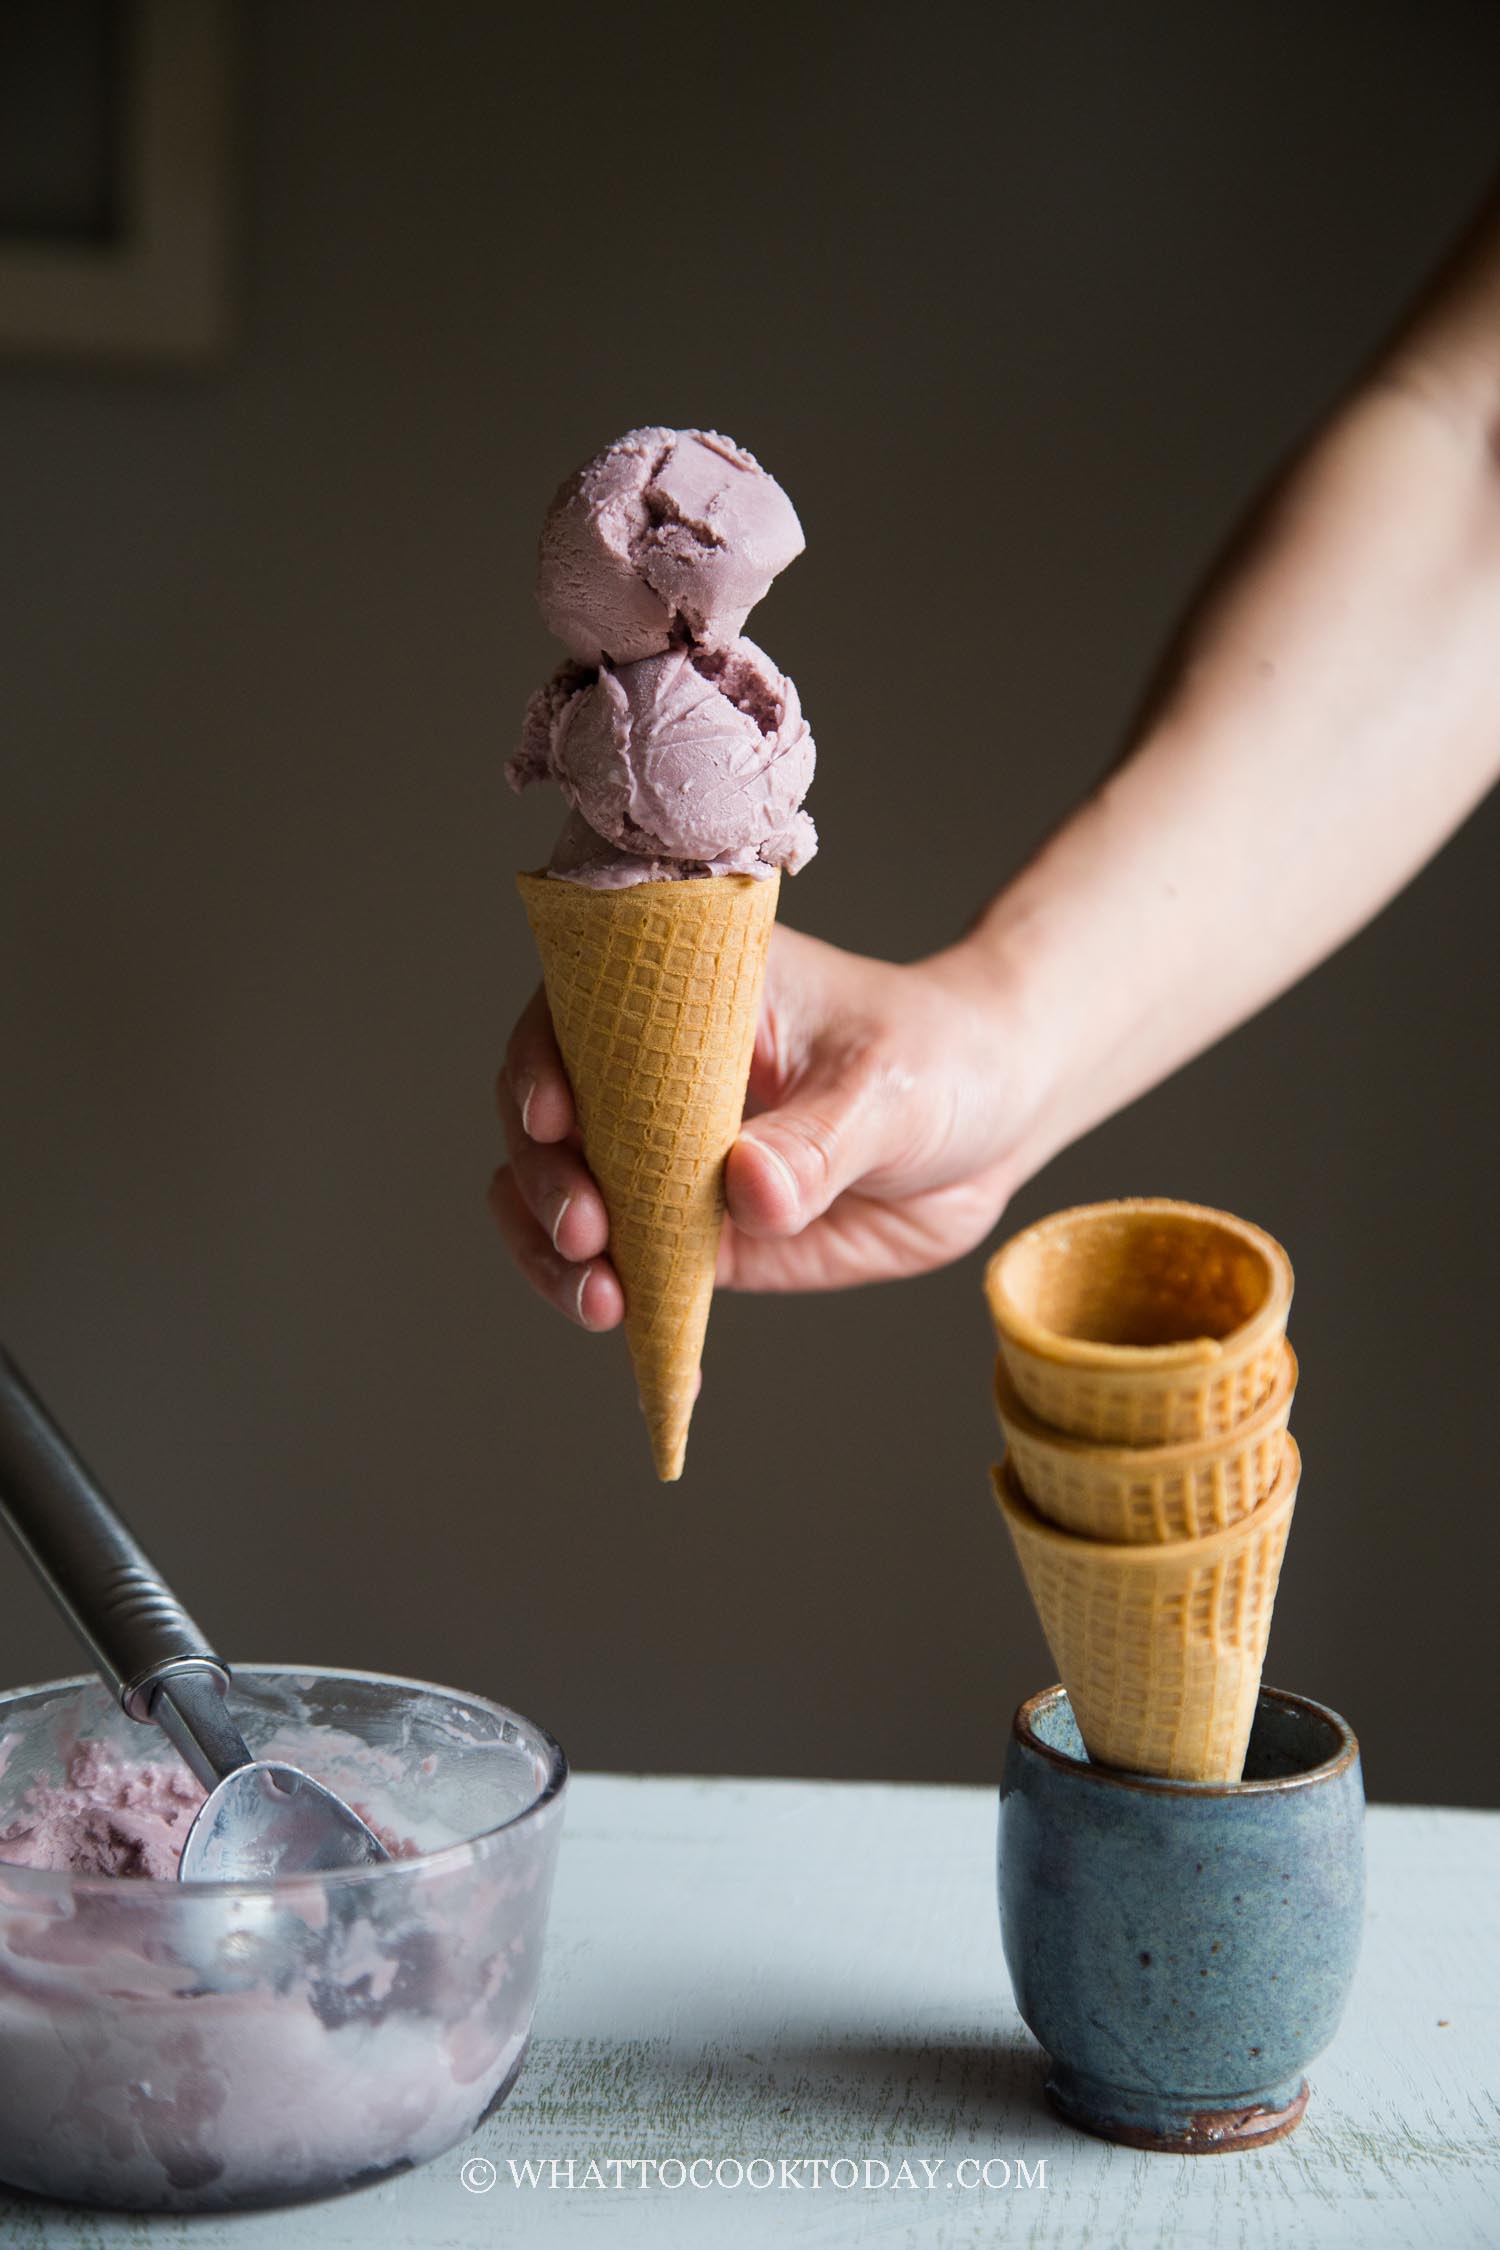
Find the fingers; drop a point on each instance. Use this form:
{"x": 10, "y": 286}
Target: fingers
{"x": 534, "y": 1074}
{"x": 550, "y": 1214}
{"x": 790, "y": 1164}
{"x": 760, "y": 1187}
{"x": 588, "y": 1293}
{"x": 866, "y": 1238}
{"x": 820, "y": 1097}
{"x": 555, "y": 1185}
{"x": 794, "y": 1004}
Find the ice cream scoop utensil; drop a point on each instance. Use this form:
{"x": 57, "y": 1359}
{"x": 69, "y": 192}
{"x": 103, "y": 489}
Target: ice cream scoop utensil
{"x": 261, "y": 1817}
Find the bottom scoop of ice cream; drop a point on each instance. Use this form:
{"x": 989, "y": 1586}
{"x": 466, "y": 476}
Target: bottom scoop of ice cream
{"x": 698, "y": 759}
{"x": 582, "y": 856}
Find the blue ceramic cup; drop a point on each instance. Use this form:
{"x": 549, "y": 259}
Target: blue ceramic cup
{"x": 1182, "y": 1950}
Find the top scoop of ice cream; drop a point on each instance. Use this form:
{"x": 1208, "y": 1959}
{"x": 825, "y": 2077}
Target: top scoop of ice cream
{"x": 693, "y": 762}
{"x": 666, "y": 536}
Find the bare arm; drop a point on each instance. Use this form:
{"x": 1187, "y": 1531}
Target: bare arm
{"x": 1329, "y": 715}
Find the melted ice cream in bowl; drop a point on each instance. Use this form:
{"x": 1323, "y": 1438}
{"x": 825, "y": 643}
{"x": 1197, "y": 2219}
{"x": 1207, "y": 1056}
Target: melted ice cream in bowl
{"x": 170, "y": 2046}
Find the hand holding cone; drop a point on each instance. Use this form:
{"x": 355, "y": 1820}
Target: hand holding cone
{"x": 1144, "y": 1384}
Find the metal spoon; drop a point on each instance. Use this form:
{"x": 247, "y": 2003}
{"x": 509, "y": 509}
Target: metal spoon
{"x": 260, "y": 1818}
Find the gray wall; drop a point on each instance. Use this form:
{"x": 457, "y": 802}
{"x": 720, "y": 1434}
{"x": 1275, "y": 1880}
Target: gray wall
{"x": 1020, "y": 316}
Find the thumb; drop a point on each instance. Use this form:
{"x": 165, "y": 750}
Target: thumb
{"x": 789, "y": 1164}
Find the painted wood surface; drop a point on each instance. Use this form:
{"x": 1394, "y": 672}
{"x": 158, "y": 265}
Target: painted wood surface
{"x": 771, "y": 1973}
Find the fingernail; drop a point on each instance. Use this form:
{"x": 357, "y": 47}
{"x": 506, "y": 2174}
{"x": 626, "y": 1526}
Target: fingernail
{"x": 583, "y": 1282}
{"x": 780, "y": 1163}
{"x": 527, "y": 1095}
{"x": 554, "y": 1225}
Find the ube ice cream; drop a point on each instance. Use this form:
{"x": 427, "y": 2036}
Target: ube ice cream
{"x": 105, "y": 1816}
{"x": 666, "y": 536}
{"x": 109, "y": 1815}
{"x": 679, "y": 746}
{"x": 695, "y": 761}
{"x": 194, "y": 2046}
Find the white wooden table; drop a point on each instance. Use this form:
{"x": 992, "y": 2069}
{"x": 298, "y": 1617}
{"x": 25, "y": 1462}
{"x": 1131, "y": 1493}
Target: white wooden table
{"x": 803, "y": 1979}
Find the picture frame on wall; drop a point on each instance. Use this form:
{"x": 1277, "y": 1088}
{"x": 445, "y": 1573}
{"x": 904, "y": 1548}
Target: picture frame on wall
{"x": 116, "y": 185}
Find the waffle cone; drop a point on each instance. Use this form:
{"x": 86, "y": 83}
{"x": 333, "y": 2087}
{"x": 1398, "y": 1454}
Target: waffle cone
{"x": 1160, "y": 1647}
{"x": 654, "y": 992}
{"x": 1122, "y": 1494}
{"x": 1143, "y": 1322}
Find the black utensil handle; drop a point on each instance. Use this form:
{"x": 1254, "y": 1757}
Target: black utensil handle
{"x": 101, "y": 1579}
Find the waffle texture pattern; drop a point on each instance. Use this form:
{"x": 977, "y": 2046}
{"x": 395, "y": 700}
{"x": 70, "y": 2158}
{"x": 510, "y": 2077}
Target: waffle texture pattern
{"x": 655, "y": 992}
{"x": 1122, "y": 1494}
{"x": 1160, "y": 1646}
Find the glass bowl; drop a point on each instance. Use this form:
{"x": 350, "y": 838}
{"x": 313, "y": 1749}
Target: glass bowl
{"x": 216, "y": 2046}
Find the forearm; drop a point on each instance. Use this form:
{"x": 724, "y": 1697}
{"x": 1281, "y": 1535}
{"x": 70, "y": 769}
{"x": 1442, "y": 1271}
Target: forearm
{"x": 1332, "y": 716}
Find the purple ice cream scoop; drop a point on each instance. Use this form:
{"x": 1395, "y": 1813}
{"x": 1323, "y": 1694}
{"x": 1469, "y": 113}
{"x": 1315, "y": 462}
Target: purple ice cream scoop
{"x": 690, "y": 763}
{"x": 667, "y": 536}
{"x": 680, "y": 748}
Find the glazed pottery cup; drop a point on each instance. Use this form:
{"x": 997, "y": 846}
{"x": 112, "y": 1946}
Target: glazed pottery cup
{"x": 1182, "y": 1950}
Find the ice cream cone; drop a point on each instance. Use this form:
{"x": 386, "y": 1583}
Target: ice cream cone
{"x": 1143, "y": 1322}
{"x": 655, "y": 991}
{"x": 1123, "y": 1494}
{"x": 1160, "y": 1647}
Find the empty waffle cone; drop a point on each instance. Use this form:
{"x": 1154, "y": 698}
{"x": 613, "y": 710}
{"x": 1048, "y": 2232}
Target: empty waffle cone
{"x": 1143, "y": 1322}
{"x": 1124, "y": 1494}
{"x": 1160, "y": 1647}
{"x": 654, "y": 992}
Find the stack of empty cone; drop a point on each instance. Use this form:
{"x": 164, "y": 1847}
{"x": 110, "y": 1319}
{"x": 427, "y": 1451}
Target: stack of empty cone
{"x": 1144, "y": 1383}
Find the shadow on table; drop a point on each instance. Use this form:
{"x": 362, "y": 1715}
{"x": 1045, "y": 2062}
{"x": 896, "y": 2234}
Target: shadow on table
{"x": 987, "y": 2084}
{"x": 810, "y": 2084}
